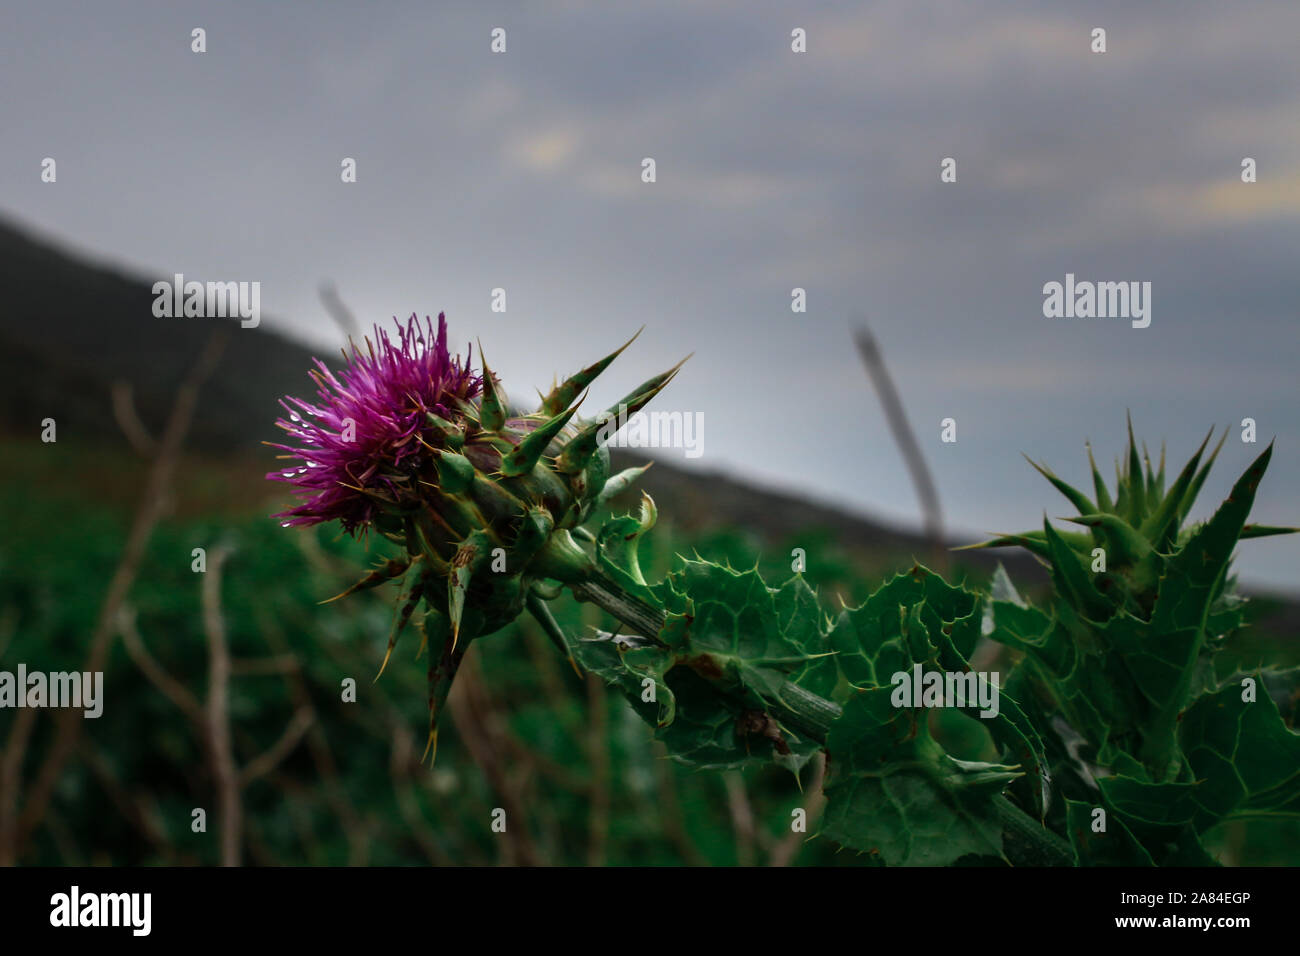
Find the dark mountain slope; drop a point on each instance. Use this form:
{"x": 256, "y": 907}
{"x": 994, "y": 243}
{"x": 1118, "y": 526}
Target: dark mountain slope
{"x": 69, "y": 329}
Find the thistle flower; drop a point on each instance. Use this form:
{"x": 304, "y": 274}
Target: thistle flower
{"x": 361, "y": 441}
{"x": 482, "y": 497}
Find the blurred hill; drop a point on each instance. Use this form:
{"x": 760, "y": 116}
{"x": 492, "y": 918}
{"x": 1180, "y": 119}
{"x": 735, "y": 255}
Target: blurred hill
{"x": 70, "y": 329}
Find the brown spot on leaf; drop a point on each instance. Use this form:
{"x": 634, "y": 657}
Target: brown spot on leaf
{"x": 706, "y": 666}
{"x": 756, "y": 723}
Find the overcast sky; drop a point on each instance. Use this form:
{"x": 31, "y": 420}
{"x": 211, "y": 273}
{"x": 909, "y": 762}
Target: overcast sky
{"x": 775, "y": 170}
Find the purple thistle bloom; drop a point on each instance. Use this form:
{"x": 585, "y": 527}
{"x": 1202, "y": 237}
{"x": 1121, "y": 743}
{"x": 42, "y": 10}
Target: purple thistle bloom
{"x": 361, "y": 442}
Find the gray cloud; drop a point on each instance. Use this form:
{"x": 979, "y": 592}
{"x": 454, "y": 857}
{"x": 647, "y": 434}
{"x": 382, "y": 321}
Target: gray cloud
{"x": 775, "y": 170}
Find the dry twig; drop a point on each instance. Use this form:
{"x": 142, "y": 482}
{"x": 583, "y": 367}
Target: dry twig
{"x": 786, "y": 850}
{"x": 907, "y": 444}
{"x": 68, "y": 722}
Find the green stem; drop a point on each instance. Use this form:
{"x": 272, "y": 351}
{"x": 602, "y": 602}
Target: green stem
{"x": 635, "y": 614}
{"x": 1026, "y": 841}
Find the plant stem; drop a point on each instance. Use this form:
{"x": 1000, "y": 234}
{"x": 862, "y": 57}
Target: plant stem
{"x": 1025, "y": 841}
{"x": 631, "y": 611}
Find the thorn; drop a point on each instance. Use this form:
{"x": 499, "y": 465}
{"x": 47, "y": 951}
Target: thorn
{"x": 526, "y": 454}
{"x": 463, "y": 563}
{"x": 562, "y": 395}
{"x": 583, "y": 445}
{"x": 413, "y": 597}
{"x": 424, "y": 636}
{"x": 492, "y": 415}
{"x": 619, "y": 483}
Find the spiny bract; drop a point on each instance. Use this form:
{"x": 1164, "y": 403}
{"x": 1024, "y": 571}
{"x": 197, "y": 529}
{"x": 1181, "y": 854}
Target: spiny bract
{"x": 1138, "y": 529}
{"x": 484, "y": 498}
{"x": 1141, "y": 604}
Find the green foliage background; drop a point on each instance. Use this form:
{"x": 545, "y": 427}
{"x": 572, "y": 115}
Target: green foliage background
{"x": 582, "y": 778}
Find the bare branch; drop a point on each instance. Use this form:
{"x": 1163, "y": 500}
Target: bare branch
{"x": 171, "y": 688}
{"x": 472, "y": 713}
{"x": 64, "y": 841}
{"x": 598, "y": 755}
{"x": 340, "y": 313}
{"x": 786, "y": 850}
{"x": 132, "y": 809}
{"x": 355, "y": 829}
{"x": 907, "y": 444}
{"x": 401, "y": 763}
{"x": 267, "y": 761}
{"x": 263, "y": 666}
{"x": 220, "y": 751}
{"x": 670, "y": 809}
{"x": 11, "y": 768}
{"x": 128, "y": 419}
{"x": 742, "y": 817}
{"x": 68, "y": 722}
